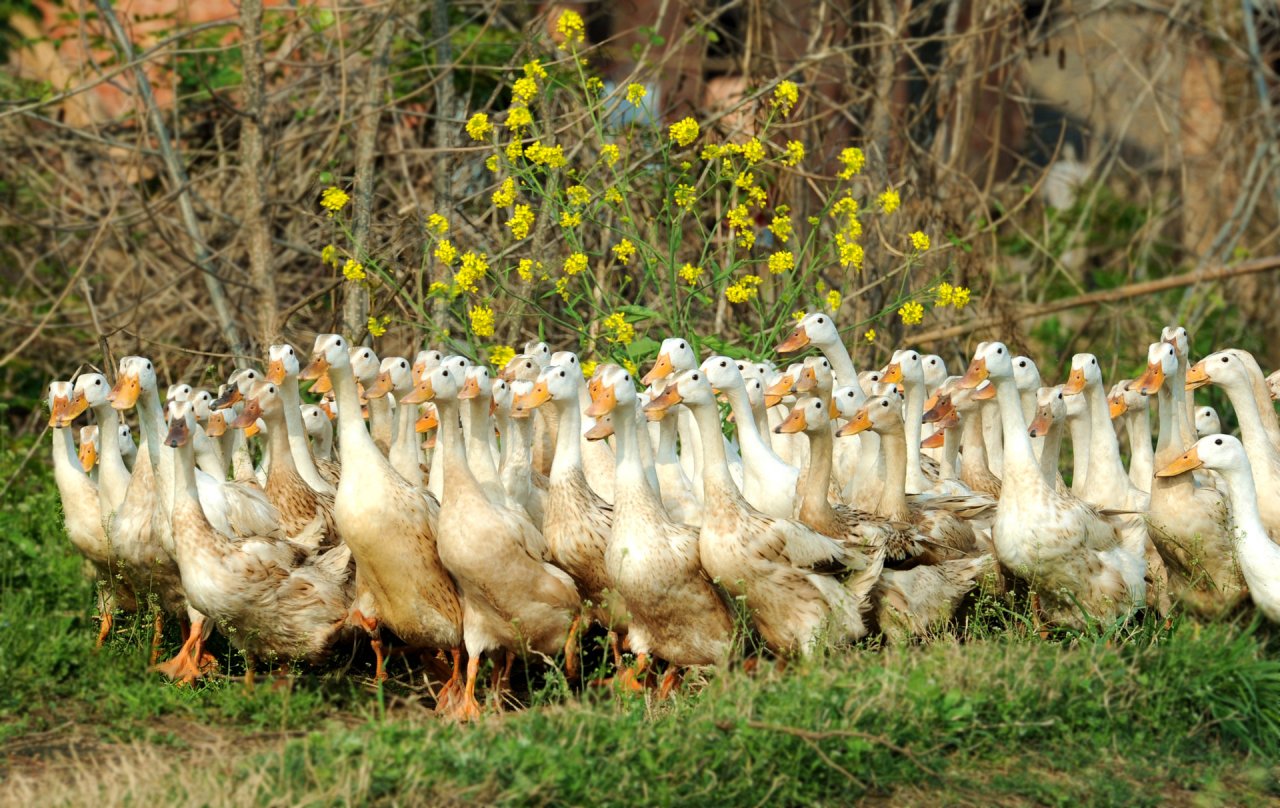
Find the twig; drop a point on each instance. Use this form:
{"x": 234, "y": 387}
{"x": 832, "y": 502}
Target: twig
{"x": 253, "y": 170}
{"x": 1104, "y": 296}
{"x": 178, "y": 174}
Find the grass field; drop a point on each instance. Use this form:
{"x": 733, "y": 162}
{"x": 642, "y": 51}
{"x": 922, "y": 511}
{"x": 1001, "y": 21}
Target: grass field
{"x": 1139, "y": 715}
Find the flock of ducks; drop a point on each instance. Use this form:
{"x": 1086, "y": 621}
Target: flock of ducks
{"x": 542, "y": 503}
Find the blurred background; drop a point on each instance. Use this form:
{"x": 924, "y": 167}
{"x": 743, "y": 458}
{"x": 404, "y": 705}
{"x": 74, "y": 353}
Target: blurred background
{"x": 1091, "y": 170}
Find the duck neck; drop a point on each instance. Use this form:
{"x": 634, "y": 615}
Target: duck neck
{"x": 185, "y": 490}
{"x": 950, "y": 453}
{"x": 1243, "y": 495}
{"x": 1049, "y": 453}
{"x": 1106, "y": 470}
{"x": 66, "y": 462}
{"x": 1183, "y": 405}
{"x": 518, "y": 442}
{"x": 749, "y": 438}
{"x": 151, "y": 422}
{"x": 1252, "y": 430}
{"x": 322, "y": 444}
{"x": 842, "y": 369}
{"x": 297, "y": 434}
{"x": 915, "y": 479}
{"x": 1019, "y": 459}
{"x": 357, "y": 444}
{"x": 279, "y": 446}
{"x": 1080, "y": 439}
{"x": 479, "y": 453}
{"x": 380, "y": 415}
{"x": 568, "y": 455}
{"x": 1168, "y": 435}
{"x": 406, "y": 451}
{"x": 973, "y": 455}
{"x": 815, "y": 507}
{"x": 715, "y": 466}
{"x": 1138, "y": 425}
{"x": 667, "y": 439}
{"x": 631, "y": 479}
{"x": 113, "y": 475}
{"x": 455, "y": 473}
{"x": 645, "y": 443}
{"x": 893, "y": 502}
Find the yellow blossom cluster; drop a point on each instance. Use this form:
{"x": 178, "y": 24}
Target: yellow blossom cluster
{"x": 785, "y": 96}
{"x": 575, "y": 263}
{"x": 612, "y": 196}
{"x": 870, "y": 336}
{"x": 747, "y": 288}
{"x": 570, "y": 220}
{"x": 334, "y": 199}
{"x": 684, "y": 132}
{"x": 481, "y": 321}
{"x": 550, "y": 156}
{"x": 589, "y": 368}
{"x": 636, "y": 94}
{"x": 947, "y": 295}
{"x": 919, "y": 241}
{"x": 526, "y": 268}
{"x": 781, "y": 225}
{"x": 578, "y": 195}
{"x": 685, "y": 196}
{"x": 690, "y": 274}
{"x": 353, "y": 270}
{"x": 620, "y": 331}
{"x": 610, "y": 153}
{"x": 473, "y": 269}
{"x": 437, "y": 225}
{"x": 833, "y": 300}
{"x": 571, "y": 27}
{"x": 478, "y": 126}
{"x": 753, "y": 151}
{"x": 911, "y": 312}
{"x": 329, "y": 255}
{"x": 521, "y": 221}
{"x": 519, "y": 119}
{"x": 794, "y": 153}
{"x": 500, "y": 355}
{"x": 378, "y": 325}
{"x": 506, "y": 194}
{"x": 781, "y": 261}
{"x": 446, "y": 253}
{"x": 853, "y": 160}
{"x": 624, "y": 250}
{"x": 889, "y": 200}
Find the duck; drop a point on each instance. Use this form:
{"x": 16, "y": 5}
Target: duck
{"x": 768, "y": 483}
{"x": 1207, "y": 421}
{"x": 1069, "y": 554}
{"x": 1258, "y": 555}
{"x": 282, "y": 370}
{"x": 82, "y": 518}
{"x": 302, "y": 508}
{"x": 513, "y": 600}
{"x": 274, "y": 598}
{"x": 87, "y": 451}
{"x": 366, "y": 366}
{"x": 320, "y": 430}
{"x": 477, "y": 392}
{"x": 1051, "y": 415}
{"x": 1273, "y": 384}
{"x": 971, "y": 409}
{"x": 675, "y": 488}
{"x": 524, "y": 484}
{"x": 395, "y": 377}
{"x": 1238, "y": 375}
{"x": 390, "y": 527}
{"x": 1130, "y": 406}
{"x": 675, "y": 613}
{"x": 906, "y": 367}
{"x": 1189, "y": 522}
{"x": 798, "y": 585}
{"x": 577, "y": 521}
{"x": 597, "y": 456}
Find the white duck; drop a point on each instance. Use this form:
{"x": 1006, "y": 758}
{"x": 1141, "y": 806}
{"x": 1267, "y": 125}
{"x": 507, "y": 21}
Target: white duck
{"x": 282, "y": 371}
{"x": 1207, "y": 421}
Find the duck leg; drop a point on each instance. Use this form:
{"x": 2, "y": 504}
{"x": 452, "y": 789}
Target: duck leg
{"x": 501, "y": 680}
{"x": 631, "y": 679}
{"x": 571, "y": 670}
{"x": 177, "y": 667}
{"x": 156, "y": 636}
{"x": 670, "y": 682}
{"x": 105, "y": 628}
{"x": 447, "y": 698}
{"x": 468, "y": 709}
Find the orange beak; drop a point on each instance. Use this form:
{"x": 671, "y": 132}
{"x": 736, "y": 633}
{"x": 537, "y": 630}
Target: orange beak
{"x": 125, "y": 392}
{"x": 248, "y": 417}
{"x": 533, "y": 399}
{"x": 275, "y": 371}
{"x": 808, "y": 380}
{"x": 601, "y": 430}
{"x": 1075, "y": 383}
{"x": 78, "y": 405}
{"x": 429, "y": 421}
{"x": 793, "y": 423}
{"x": 861, "y": 423}
{"x": 178, "y": 433}
{"x": 231, "y": 396}
{"x": 1151, "y": 380}
{"x": 891, "y": 374}
{"x": 470, "y": 389}
{"x": 1197, "y": 377}
{"x": 381, "y": 386}
{"x": 603, "y": 402}
{"x": 773, "y": 393}
{"x": 88, "y": 455}
{"x": 935, "y": 440}
{"x": 422, "y": 391}
{"x": 1188, "y": 461}
{"x": 1039, "y": 425}
{"x": 669, "y": 397}
{"x": 58, "y": 412}
{"x": 940, "y": 408}
{"x": 662, "y": 368}
{"x": 974, "y": 376}
{"x": 319, "y": 366}
{"x": 217, "y": 425}
{"x": 796, "y": 340}
{"x": 985, "y": 393}
{"x": 1117, "y": 406}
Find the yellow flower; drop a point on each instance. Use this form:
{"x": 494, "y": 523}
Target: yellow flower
{"x": 551, "y": 156}
{"x": 690, "y": 274}
{"x": 870, "y": 336}
{"x": 798, "y": 315}
{"x": 506, "y": 193}
{"x": 519, "y": 118}
{"x": 960, "y": 297}
{"x": 329, "y": 255}
{"x": 636, "y": 94}
{"x": 623, "y": 333}
{"x": 911, "y": 313}
{"x": 491, "y": 162}
{"x": 745, "y": 180}
{"x": 758, "y": 196}
{"x": 562, "y": 287}
{"x": 685, "y": 196}
{"x": 795, "y": 153}
{"x": 570, "y": 220}
{"x": 353, "y": 270}
{"x": 781, "y": 261}
{"x": 500, "y": 355}
{"x": 535, "y": 70}
{"x": 378, "y": 325}
{"x": 919, "y": 241}
{"x": 521, "y": 221}
{"x": 478, "y": 126}
{"x": 610, "y": 154}
{"x": 446, "y": 253}
{"x": 739, "y": 218}
{"x": 847, "y": 206}
{"x": 711, "y": 151}
{"x": 578, "y": 195}
{"x": 612, "y": 196}
{"x": 514, "y": 150}
{"x": 524, "y": 90}
{"x": 438, "y": 289}
{"x": 594, "y": 85}
{"x": 631, "y": 367}
{"x": 525, "y": 269}
{"x": 624, "y": 250}
{"x": 889, "y": 200}
{"x": 481, "y": 321}
{"x": 745, "y": 289}
{"x": 753, "y": 151}
{"x": 943, "y": 295}
{"x": 684, "y": 132}
{"x": 746, "y": 239}
{"x": 589, "y": 368}
{"x": 334, "y": 199}
{"x": 851, "y": 252}
{"x": 437, "y": 225}
{"x": 575, "y": 263}
{"x": 473, "y": 269}
{"x": 571, "y": 27}
{"x": 833, "y": 300}
{"x": 853, "y": 160}
{"x": 781, "y": 228}
{"x": 785, "y": 96}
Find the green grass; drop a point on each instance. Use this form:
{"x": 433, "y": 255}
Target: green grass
{"x": 1140, "y": 715}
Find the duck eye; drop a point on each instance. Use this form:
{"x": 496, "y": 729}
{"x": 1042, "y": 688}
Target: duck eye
{"x": 97, "y": 382}
{"x": 1224, "y": 360}
{"x": 1218, "y": 442}
{"x": 148, "y": 366}
{"x": 562, "y": 374}
{"x": 1022, "y": 364}
{"x": 884, "y": 403}
{"x": 722, "y": 364}
{"x": 682, "y": 346}
{"x": 821, "y": 320}
{"x": 444, "y": 373}
{"x": 694, "y": 377}
{"x": 999, "y": 350}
